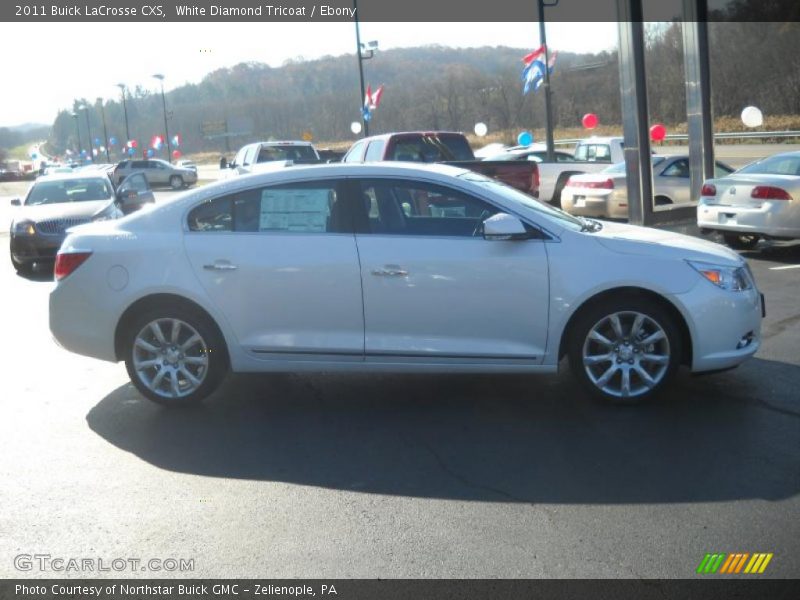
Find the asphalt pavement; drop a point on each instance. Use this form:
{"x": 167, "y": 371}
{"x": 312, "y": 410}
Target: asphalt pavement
{"x": 382, "y": 476}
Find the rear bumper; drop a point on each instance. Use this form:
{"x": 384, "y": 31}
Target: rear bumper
{"x": 576, "y": 201}
{"x": 769, "y": 219}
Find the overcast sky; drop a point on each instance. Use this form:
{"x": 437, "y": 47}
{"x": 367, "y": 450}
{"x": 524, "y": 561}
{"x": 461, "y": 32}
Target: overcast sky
{"x": 46, "y": 65}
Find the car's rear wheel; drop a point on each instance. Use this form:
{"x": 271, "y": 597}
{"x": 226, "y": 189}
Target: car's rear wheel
{"x": 662, "y": 201}
{"x": 741, "y": 241}
{"x": 175, "y": 357}
{"x": 625, "y": 349}
{"x": 176, "y": 182}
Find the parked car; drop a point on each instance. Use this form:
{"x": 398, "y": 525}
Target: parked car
{"x": 395, "y": 267}
{"x": 600, "y": 149}
{"x": 447, "y": 147}
{"x": 553, "y": 176}
{"x": 605, "y": 194}
{"x": 157, "y": 172}
{"x": 761, "y": 200}
{"x": 253, "y": 156}
{"x": 55, "y": 203}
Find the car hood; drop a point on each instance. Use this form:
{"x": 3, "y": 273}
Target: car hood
{"x": 630, "y": 239}
{"x": 62, "y": 210}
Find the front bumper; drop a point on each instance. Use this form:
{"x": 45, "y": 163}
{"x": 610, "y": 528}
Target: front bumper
{"x": 725, "y": 326}
{"x": 30, "y": 248}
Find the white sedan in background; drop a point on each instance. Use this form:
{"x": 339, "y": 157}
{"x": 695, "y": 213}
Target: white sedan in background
{"x": 761, "y": 200}
{"x": 392, "y": 267}
{"x": 605, "y": 194}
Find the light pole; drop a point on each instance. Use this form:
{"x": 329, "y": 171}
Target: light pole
{"x": 548, "y": 106}
{"x": 78, "y": 133}
{"x": 160, "y": 77}
{"x": 121, "y": 87}
{"x": 105, "y": 132}
{"x": 363, "y": 53}
{"x": 88, "y": 129}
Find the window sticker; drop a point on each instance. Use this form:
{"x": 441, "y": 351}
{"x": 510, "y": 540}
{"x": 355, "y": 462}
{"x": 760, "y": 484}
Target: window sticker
{"x": 299, "y": 210}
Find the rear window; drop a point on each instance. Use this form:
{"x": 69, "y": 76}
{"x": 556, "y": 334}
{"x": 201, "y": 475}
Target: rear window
{"x": 774, "y": 165}
{"x": 297, "y": 154}
{"x": 432, "y": 149}
{"x": 69, "y": 190}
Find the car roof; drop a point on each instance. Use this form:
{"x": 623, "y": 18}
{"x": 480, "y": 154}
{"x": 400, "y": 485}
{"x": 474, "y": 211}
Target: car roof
{"x": 91, "y": 174}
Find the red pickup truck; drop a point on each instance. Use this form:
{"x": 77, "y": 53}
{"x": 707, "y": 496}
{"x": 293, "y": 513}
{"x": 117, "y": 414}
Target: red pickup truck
{"x": 446, "y": 147}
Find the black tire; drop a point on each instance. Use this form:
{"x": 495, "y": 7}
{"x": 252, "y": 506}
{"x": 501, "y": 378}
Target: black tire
{"x": 662, "y": 201}
{"x": 176, "y": 182}
{"x": 556, "y": 199}
{"x": 215, "y": 353}
{"x": 739, "y": 241}
{"x": 22, "y": 267}
{"x": 625, "y": 354}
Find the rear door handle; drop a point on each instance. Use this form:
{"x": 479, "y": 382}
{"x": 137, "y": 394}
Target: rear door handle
{"x": 220, "y": 266}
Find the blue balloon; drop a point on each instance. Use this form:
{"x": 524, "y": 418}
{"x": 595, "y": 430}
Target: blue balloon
{"x": 131, "y": 151}
{"x": 525, "y": 138}
{"x": 34, "y": 156}
{"x": 112, "y": 141}
{"x": 83, "y": 152}
{"x": 96, "y": 141}
{"x": 149, "y": 152}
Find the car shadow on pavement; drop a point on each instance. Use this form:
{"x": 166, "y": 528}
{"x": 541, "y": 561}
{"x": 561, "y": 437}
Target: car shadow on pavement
{"x": 482, "y": 438}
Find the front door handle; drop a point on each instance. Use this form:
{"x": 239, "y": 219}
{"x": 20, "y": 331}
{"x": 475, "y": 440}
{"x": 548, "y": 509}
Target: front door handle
{"x": 220, "y": 266}
{"x": 390, "y": 271}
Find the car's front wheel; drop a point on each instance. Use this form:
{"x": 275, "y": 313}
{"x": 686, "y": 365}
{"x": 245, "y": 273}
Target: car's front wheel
{"x": 175, "y": 357}
{"x": 176, "y": 182}
{"x": 625, "y": 349}
{"x": 740, "y": 241}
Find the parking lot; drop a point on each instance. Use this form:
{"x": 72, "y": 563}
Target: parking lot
{"x": 400, "y": 476}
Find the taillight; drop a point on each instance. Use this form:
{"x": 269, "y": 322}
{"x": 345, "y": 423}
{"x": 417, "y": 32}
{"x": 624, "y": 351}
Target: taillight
{"x": 708, "y": 189}
{"x": 769, "y": 192}
{"x": 536, "y": 180}
{"x": 608, "y": 184}
{"x": 68, "y": 262}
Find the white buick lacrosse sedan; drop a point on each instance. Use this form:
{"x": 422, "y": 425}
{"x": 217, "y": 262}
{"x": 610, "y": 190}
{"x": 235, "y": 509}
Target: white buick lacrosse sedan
{"x": 392, "y": 267}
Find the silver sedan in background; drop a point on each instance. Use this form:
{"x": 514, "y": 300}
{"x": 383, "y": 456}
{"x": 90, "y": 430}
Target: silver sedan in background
{"x": 605, "y": 194}
{"x": 761, "y": 200}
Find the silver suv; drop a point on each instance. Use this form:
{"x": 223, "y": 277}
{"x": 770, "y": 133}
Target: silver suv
{"x": 157, "y": 172}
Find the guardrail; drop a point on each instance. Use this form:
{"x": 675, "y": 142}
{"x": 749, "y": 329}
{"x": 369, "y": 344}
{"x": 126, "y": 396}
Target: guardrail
{"x": 745, "y": 135}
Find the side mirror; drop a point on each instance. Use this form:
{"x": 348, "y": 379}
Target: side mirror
{"x": 16, "y": 202}
{"x": 223, "y": 163}
{"x": 503, "y": 226}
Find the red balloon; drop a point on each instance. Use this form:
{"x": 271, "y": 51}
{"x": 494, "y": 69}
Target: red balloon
{"x": 658, "y": 132}
{"x": 590, "y": 120}
{"x": 176, "y": 154}
{"x": 134, "y": 144}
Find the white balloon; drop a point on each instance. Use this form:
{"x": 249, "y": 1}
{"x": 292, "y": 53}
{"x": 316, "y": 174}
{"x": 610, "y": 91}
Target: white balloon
{"x": 355, "y": 127}
{"x": 752, "y": 117}
{"x": 481, "y": 129}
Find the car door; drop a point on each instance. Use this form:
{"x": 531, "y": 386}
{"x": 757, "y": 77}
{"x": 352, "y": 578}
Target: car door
{"x": 435, "y": 289}
{"x": 280, "y": 262}
{"x": 133, "y": 193}
{"x": 672, "y": 180}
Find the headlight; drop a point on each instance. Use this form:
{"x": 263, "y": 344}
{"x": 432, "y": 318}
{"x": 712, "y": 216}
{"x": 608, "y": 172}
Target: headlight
{"x": 734, "y": 279}
{"x": 24, "y": 228}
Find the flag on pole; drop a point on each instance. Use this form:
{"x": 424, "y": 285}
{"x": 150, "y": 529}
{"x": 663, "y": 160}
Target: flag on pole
{"x": 533, "y": 71}
{"x": 371, "y": 101}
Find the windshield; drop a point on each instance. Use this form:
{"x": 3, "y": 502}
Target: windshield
{"x": 782, "y": 164}
{"x": 620, "y": 166}
{"x": 432, "y": 148}
{"x": 69, "y": 190}
{"x": 515, "y": 196}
